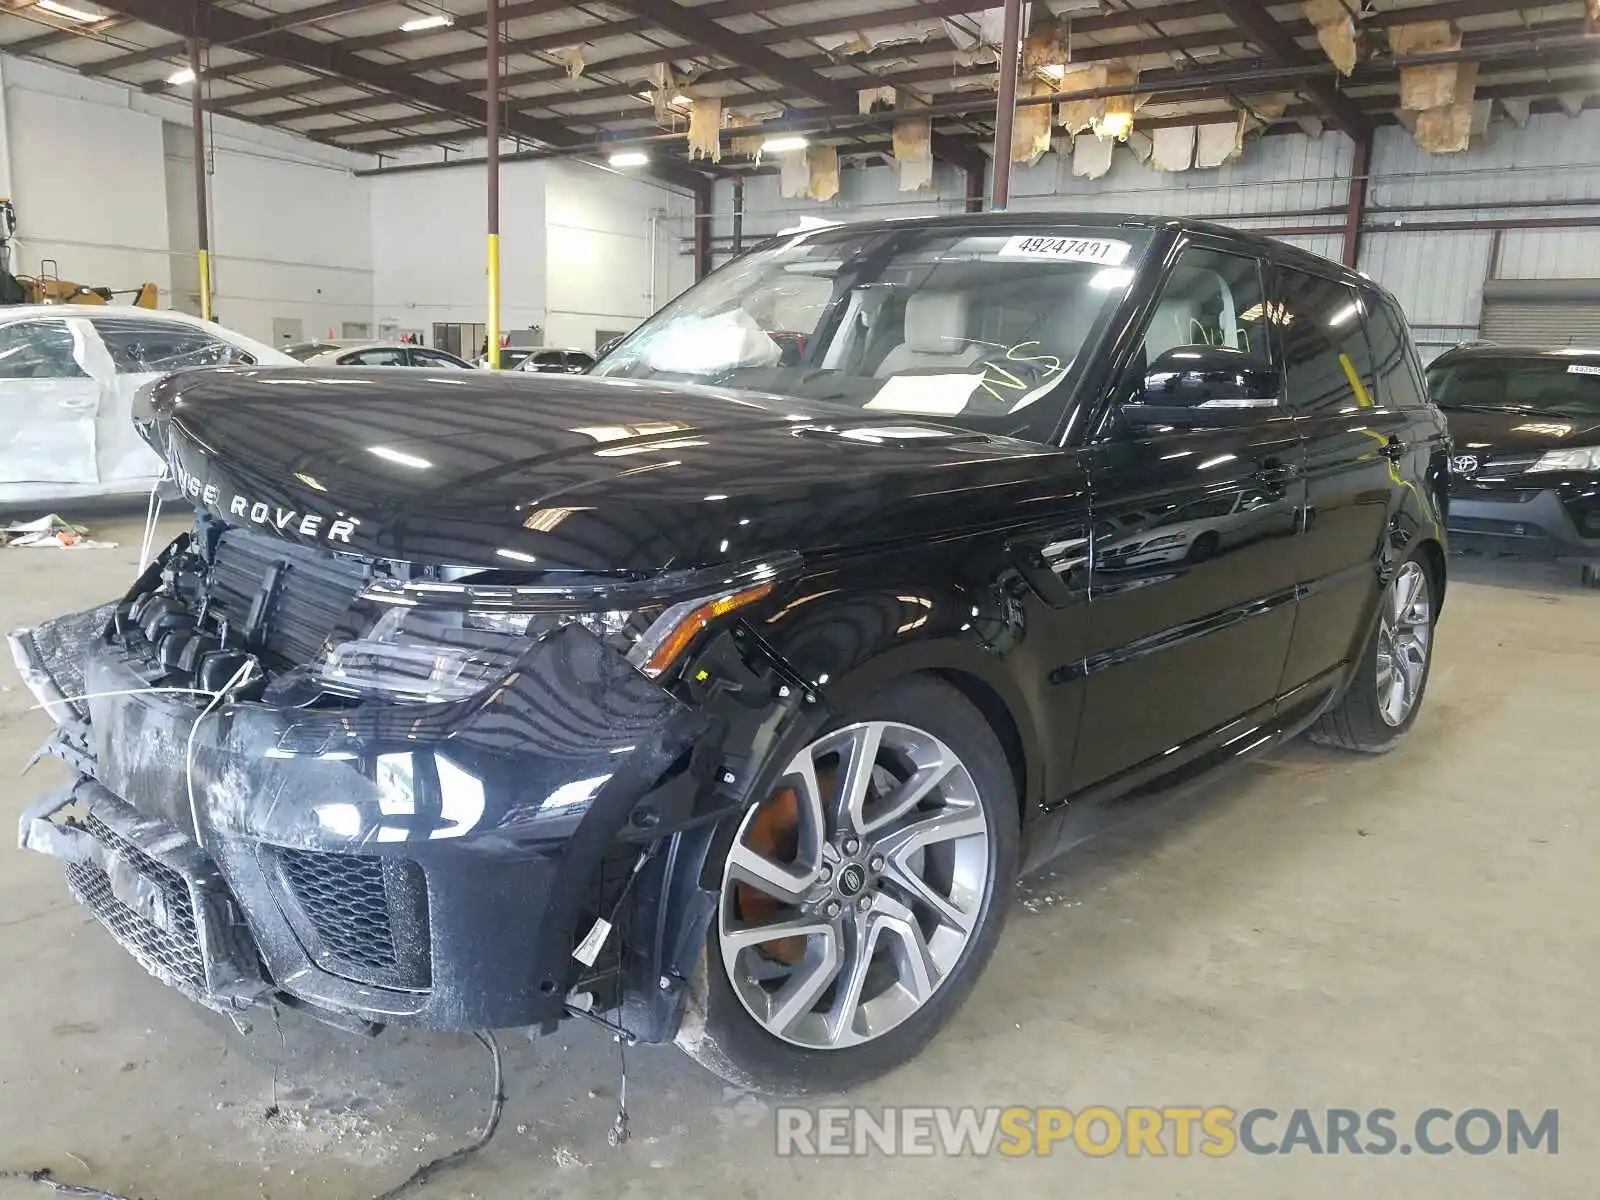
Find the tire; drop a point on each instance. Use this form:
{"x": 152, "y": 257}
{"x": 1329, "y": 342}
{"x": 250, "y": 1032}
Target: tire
{"x": 833, "y": 1044}
{"x": 1364, "y": 718}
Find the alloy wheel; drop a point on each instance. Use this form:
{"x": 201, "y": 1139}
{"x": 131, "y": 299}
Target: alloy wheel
{"x": 850, "y": 894}
{"x": 1404, "y": 639}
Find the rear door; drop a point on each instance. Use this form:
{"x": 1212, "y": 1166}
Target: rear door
{"x": 48, "y": 403}
{"x": 1354, "y": 442}
{"x": 1193, "y": 541}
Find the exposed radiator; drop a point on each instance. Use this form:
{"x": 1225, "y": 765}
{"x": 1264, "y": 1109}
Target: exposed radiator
{"x": 291, "y": 596}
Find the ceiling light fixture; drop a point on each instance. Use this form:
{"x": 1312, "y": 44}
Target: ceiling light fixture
{"x": 629, "y": 158}
{"x": 67, "y": 11}
{"x": 437, "y": 20}
{"x": 1117, "y": 125}
{"x": 784, "y": 143}
{"x": 181, "y": 76}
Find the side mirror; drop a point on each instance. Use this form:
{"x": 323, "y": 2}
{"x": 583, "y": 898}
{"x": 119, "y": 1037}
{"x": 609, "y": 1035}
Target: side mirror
{"x": 1197, "y": 385}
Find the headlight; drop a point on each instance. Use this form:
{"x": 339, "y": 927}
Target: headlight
{"x": 1581, "y": 458}
{"x": 428, "y": 642}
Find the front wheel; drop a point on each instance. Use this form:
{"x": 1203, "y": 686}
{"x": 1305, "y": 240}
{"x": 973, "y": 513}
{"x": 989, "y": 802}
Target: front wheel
{"x": 1386, "y": 692}
{"x": 861, "y": 899}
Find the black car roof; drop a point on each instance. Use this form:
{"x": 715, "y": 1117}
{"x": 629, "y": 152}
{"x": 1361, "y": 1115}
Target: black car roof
{"x": 1489, "y": 352}
{"x": 978, "y": 222}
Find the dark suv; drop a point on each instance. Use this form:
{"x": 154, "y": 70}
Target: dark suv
{"x": 1526, "y": 467}
{"x": 722, "y": 694}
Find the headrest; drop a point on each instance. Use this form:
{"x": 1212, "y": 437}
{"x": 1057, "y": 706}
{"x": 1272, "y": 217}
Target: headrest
{"x": 936, "y": 322}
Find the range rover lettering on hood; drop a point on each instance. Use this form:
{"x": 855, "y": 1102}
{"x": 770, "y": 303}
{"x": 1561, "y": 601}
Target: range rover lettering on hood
{"x": 259, "y": 512}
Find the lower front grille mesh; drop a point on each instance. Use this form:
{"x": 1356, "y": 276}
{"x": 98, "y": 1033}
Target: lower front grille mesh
{"x": 370, "y": 914}
{"x": 172, "y": 954}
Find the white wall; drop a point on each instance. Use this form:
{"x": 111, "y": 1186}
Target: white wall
{"x": 1438, "y": 276}
{"x": 102, "y": 177}
{"x": 575, "y": 248}
{"x": 429, "y": 251}
{"x": 87, "y": 180}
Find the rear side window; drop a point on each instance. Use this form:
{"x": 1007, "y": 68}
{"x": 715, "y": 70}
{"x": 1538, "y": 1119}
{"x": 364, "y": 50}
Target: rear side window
{"x": 432, "y": 358}
{"x": 138, "y": 347}
{"x": 1325, "y": 353}
{"x": 382, "y": 356}
{"x": 1400, "y": 380}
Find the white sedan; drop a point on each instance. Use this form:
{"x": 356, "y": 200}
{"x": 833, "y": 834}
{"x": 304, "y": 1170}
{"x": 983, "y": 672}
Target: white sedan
{"x": 68, "y": 374}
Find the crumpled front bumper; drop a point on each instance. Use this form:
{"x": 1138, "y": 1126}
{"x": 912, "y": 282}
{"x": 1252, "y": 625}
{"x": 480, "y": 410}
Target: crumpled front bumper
{"x": 426, "y": 864}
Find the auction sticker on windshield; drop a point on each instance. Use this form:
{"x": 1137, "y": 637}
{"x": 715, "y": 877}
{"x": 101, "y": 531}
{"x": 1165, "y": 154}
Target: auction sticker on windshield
{"x": 1107, "y": 251}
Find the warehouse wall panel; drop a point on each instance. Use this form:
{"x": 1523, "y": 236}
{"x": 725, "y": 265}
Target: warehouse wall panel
{"x": 102, "y": 177}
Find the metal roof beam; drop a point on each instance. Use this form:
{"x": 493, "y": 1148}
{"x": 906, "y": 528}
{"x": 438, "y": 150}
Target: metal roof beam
{"x": 224, "y": 25}
{"x": 1252, "y": 17}
{"x": 179, "y": 49}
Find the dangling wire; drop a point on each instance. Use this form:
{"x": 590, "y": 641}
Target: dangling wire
{"x": 152, "y": 513}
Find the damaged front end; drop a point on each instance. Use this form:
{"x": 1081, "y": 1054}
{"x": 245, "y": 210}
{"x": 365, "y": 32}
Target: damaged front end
{"x": 389, "y": 793}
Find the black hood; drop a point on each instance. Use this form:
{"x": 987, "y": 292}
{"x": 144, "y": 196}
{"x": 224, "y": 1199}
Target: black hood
{"x": 1516, "y": 433}
{"x": 564, "y": 472}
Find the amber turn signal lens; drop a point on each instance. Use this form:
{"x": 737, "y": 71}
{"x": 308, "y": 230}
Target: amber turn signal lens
{"x": 694, "y": 622}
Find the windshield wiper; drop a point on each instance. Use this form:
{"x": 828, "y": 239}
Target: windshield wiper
{"x": 1520, "y": 409}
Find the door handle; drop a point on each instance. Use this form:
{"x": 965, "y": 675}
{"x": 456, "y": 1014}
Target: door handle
{"x": 1394, "y": 449}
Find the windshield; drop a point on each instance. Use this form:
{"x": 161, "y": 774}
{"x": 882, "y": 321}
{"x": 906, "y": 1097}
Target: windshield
{"x": 1533, "y": 385}
{"x": 979, "y": 329}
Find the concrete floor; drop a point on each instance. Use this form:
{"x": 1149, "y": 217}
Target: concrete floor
{"x": 1320, "y": 930}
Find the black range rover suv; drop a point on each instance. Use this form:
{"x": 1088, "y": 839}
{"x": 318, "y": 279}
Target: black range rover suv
{"x": 1526, "y": 467}
{"x": 723, "y": 694}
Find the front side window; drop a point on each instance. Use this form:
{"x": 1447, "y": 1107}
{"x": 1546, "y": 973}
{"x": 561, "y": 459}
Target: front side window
{"x": 1325, "y": 355}
{"x": 1206, "y": 354}
{"x": 1537, "y": 386}
{"x": 1210, "y": 299}
{"x": 38, "y": 350}
{"x": 141, "y": 347}
{"x": 981, "y": 328}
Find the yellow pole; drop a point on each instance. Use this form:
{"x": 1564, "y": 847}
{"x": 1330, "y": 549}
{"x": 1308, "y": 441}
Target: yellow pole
{"x": 494, "y": 301}
{"x": 492, "y": 174}
{"x": 205, "y": 284}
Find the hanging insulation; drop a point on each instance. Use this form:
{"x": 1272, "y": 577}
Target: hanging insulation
{"x": 822, "y": 163}
{"x": 1030, "y": 128}
{"x": 1336, "y": 32}
{"x": 913, "y": 153}
{"x": 1172, "y": 147}
{"x": 1221, "y": 142}
{"x": 705, "y": 128}
{"x": 1091, "y": 156}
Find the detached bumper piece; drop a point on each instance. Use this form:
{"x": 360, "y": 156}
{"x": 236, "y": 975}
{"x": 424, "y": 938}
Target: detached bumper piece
{"x": 154, "y": 890}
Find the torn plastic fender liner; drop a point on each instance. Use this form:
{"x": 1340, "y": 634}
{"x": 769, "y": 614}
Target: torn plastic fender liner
{"x": 761, "y": 713}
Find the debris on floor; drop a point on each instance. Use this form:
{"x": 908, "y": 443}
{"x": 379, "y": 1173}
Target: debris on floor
{"x": 50, "y": 531}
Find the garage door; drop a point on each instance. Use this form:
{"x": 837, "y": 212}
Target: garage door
{"x": 1553, "y": 312}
